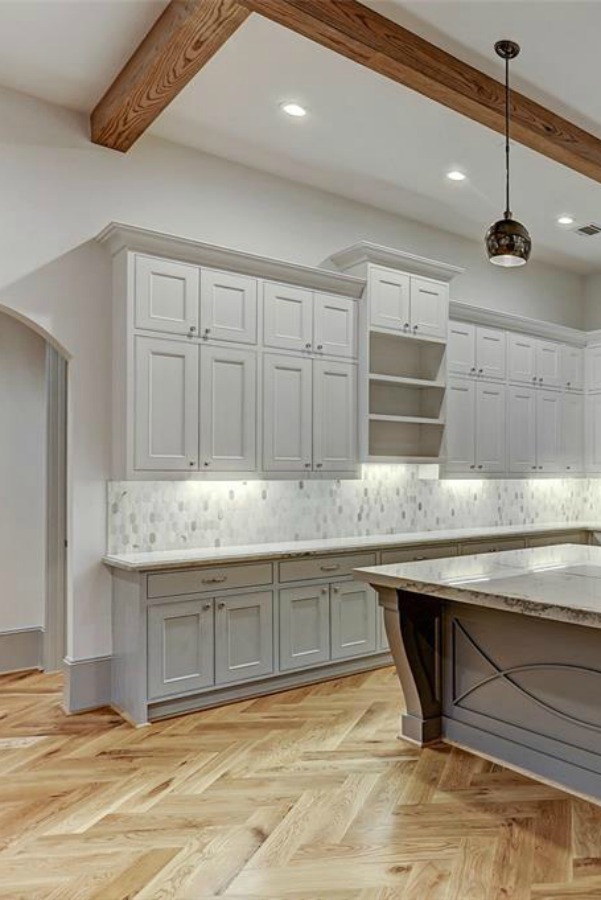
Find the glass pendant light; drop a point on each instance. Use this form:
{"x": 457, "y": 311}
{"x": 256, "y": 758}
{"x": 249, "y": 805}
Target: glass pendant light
{"x": 507, "y": 241}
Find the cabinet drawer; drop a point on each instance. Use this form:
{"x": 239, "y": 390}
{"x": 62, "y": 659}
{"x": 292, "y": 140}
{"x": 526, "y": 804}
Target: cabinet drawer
{"x": 412, "y": 554}
{"x": 558, "y": 537}
{"x": 324, "y": 566}
{"x": 492, "y": 546}
{"x": 216, "y": 578}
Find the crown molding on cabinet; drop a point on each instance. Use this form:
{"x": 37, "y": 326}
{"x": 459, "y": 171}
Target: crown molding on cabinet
{"x": 117, "y": 237}
{"x": 477, "y": 315}
{"x": 368, "y": 252}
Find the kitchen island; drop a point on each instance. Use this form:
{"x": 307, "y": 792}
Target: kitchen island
{"x": 501, "y": 655}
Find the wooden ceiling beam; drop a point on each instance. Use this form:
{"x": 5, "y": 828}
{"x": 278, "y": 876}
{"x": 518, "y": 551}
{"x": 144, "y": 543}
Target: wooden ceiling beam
{"x": 358, "y": 33}
{"x": 182, "y": 40}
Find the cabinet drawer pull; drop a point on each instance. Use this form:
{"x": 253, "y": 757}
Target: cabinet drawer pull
{"x": 330, "y": 568}
{"x": 215, "y": 579}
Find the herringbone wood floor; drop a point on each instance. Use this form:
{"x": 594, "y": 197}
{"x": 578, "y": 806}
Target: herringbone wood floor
{"x": 299, "y": 796}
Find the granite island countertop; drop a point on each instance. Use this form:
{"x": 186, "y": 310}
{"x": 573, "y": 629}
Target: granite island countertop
{"x": 561, "y": 582}
{"x": 168, "y": 559}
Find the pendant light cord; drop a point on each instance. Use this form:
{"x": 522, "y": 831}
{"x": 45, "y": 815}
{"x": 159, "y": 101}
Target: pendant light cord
{"x": 507, "y": 207}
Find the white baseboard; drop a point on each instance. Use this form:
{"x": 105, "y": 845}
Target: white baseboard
{"x": 87, "y": 683}
{"x": 21, "y": 648}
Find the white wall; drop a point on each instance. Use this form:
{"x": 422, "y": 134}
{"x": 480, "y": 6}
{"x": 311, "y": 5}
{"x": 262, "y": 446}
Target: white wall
{"x": 22, "y": 475}
{"x": 592, "y": 300}
{"x": 58, "y": 191}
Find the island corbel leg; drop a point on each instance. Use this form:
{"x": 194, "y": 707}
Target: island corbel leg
{"x": 413, "y": 627}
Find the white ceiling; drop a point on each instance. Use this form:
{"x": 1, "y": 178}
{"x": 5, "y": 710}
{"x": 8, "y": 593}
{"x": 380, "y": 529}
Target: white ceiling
{"x": 365, "y": 137}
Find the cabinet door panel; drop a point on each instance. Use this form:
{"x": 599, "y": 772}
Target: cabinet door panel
{"x": 548, "y": 364}
{"x": 572, "y": 433}
{"x": 287, "y": 412}
{"x": 166, "y": 295}
{"x": 460, "y": 432}
{"x": 521, "y": 429}
{"x": 461, "y": 349}
{"x": 521, "y": 358}
{"x": 429, "y": 308}
{"x": 334, "y": 416}
{"x": 228, "y": 406}
{"x": 335, "y": 325}
{"x": 389, "y": 299}
{"x": 165, "y": 405}
{"x": 572, "y": 368}
{"x": 228, "y": 307}
{"x": 180, "y": 647}
{"x": 353, "y": 620}
{"x": 593, "y": 433}
{"x": 491, "y": 358}
{"x": 243, "y": 637}
{"x": 490, "y": 427}
{"x": 304, "y": 626}
{"x": 287, "y": 317}
{"x": 548, "y": 431}
{"x": 593, "y": 368}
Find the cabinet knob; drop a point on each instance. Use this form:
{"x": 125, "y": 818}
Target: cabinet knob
{"x": 319, "y": 466}
{"x": 207, "y": 332}
{"x": 221, "y": 604}
{"x": 534, "y": 378}
{"x": 307, "y": 465}
{"x": 473, "y": 370}
{"x": 415, "y": 328}
{"x": 192, "y": 462}
{"x": 534, "y": 467}
{"x": 308, "y": 345}
{"x": 480, "y": 371}
{"x": 320, "y": 346}
{"x": 473, "y": 466}
{"x": 206, "y": 463}
{"x": 336, "y": 590}
{"x": 324, "y": 590}
{"x": 480, "y": 466}
{"x": 206, "y": 606}
{"x": 541, "y": 380}
{"x": 540, "y": 467}
{"x": 192, "y": 329}
{"x": 406, "y": 326}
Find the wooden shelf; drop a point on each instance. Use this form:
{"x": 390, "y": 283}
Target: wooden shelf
{"x": 408, "y": 420}
{"x": 405, "y": 381}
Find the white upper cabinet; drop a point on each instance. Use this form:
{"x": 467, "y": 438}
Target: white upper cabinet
{"x": 548, "y": 431}
{"x": 389, "y": 294}
{"x": 572, "y": 368}
{"x": 490, "y": 428}
{"x": 165, "y": 405}
{"x": 429, "y": 308}
{"x": 287, "y": 317}
{"x": 334, "y": 416}
{"x": 287, "y": 413}
{"x": 593, "y": 368}
{"x": 521, "y": 430}
{"x": 548, "y": 364}
{"x": 593, "y": 432}
{"x": 228, "y": 403}
{"x": 461, "y": 348}
{"x": 461, "y": 426}
{"x": 228, "y": 307}
{"x": 476, "y": 351}
{"x": 491, "y": 356}
{"x": 572, "y": 432}
{"x": 335, "y": 325}
{"x": 166, "y": 296}
{"x": 521, "y": 358}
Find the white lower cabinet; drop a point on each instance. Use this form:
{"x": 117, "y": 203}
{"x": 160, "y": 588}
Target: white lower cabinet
{"x": 353, "y": 622}
{"x": 228, "y": 403}
{"x": 180, "y": 647}
{"x": 166, "y": 411}
{"x": 304, "y": 626}
{"x": 243, "y": 637}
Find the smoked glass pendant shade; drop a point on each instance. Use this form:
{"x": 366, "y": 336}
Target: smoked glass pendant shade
{"x": 508, "y": 242}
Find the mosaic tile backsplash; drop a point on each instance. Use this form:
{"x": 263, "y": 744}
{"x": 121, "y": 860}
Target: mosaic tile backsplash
{"x": 168, "y": 515}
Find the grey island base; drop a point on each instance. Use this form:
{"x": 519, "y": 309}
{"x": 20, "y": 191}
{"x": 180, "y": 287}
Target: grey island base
{"x": 501, "y": 654}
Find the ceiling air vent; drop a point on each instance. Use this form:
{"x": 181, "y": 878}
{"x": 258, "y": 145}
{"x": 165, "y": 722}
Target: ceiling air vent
{"x": 588, "y": 230}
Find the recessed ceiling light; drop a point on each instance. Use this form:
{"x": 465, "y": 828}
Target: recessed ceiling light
{"x": 565, "y": 220}
{"x": 456, "y": 175}
{"x": 294, "y": 109}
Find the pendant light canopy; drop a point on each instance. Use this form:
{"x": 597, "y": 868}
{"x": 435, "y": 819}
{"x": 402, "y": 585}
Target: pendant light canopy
{"x": 507, "y": 241}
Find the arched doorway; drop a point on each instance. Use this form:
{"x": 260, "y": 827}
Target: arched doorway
{"x": 33, "y": 497}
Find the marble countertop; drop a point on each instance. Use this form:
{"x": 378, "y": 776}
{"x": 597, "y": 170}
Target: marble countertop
{"x": 166, "y": 559}
{"x": 562, "y": 582}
